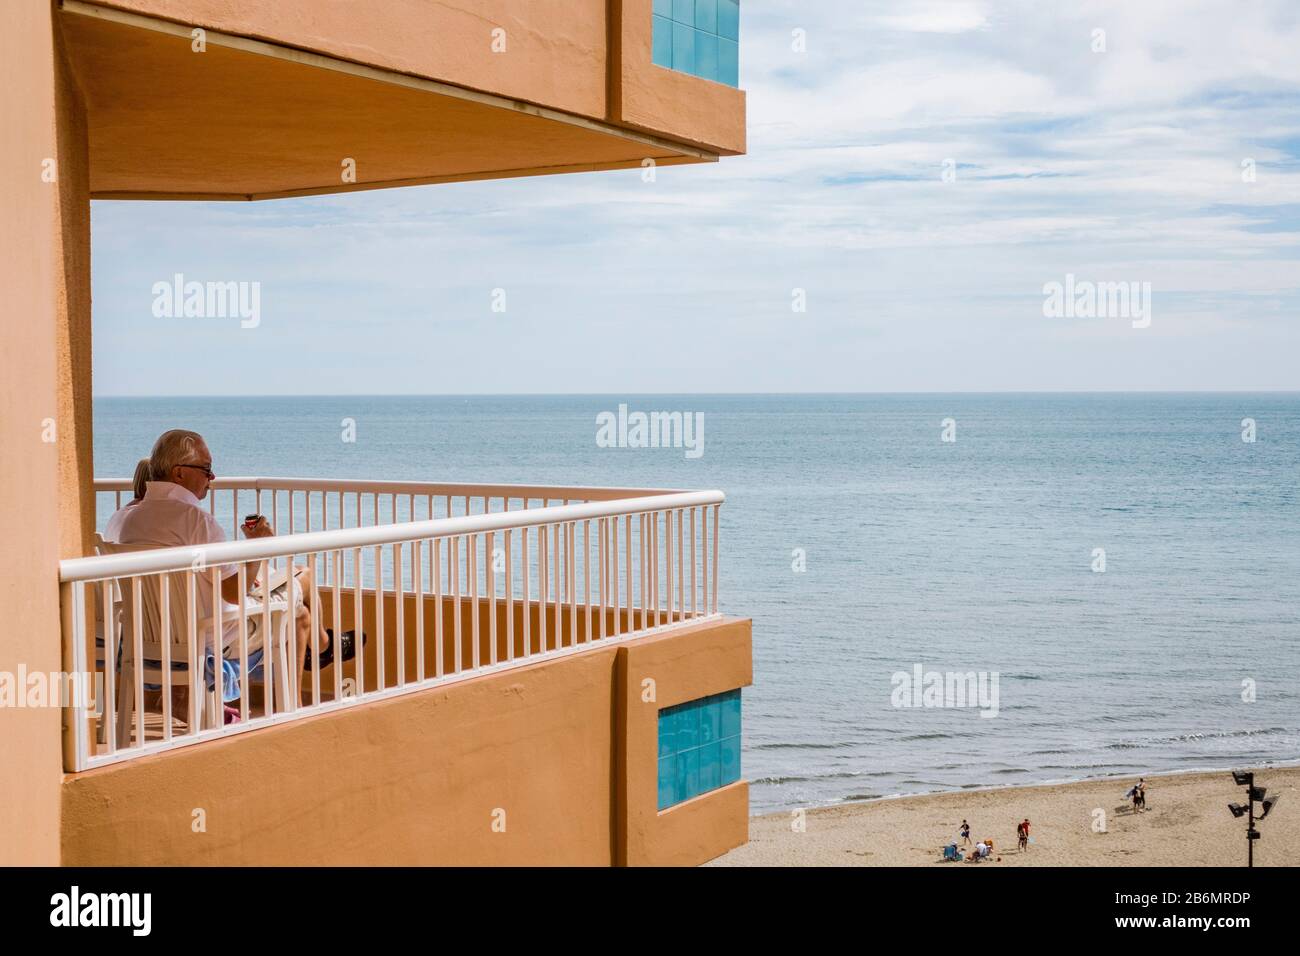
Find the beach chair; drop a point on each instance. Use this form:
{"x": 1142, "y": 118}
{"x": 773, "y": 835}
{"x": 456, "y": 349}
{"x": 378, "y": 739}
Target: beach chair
{"x": 150, "y": 668}
{"x": 950, "y": 852}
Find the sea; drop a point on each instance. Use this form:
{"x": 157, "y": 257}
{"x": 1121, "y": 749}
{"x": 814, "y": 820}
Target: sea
{"x": 1119, "y": 574}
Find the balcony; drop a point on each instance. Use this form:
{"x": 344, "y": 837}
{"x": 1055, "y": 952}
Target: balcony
{"x": 527, "y": 647}
{"x": 523, "y": 641}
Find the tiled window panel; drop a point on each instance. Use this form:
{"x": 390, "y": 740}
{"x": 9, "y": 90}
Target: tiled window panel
{"x": 699, "y": 37}
{"x": 699, "y": 747}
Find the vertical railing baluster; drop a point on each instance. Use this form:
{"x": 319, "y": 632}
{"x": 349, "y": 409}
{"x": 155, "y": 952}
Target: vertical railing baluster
{"x": 694, "y": 607}
{"x": 358, "y": 623}
{"x": 459, "y": 649}
{"x": 242, "y": 576}
{"x": 336, "y": 612}
{"x": 541, "y": 588}
{"x": 571, "y": 540}
{"x": 436, "y": 573}
{"x": 417, "y": 583}
{"x": 716, "y": 522}
{"x": 510, "y": 592}
{"x": 165, "y": 620}
{"x": 313, "y": 621}
{"x": 195, "y": 695}
{"x": 704, "y": 558}
{"x": 379, "y": 609}
{"x": 218, "y": 648}
{"x": 602, "y": 587}
{"x": 668, "y": 561}
{"x": 399, "y": 591}
{"x": 627, "y": 571}
{"x": 557, "y": 572}
{"x": 471, "y": 566}
{"x": 681, "y": 578}
{"x": 526, "y": 570}
{"x": 137, "y": 650}
{"x": 270, "y": 643}
{"x": 491, "y": 557}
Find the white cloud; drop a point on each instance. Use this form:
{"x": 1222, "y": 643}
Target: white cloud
{"x": 1124, "y": 164}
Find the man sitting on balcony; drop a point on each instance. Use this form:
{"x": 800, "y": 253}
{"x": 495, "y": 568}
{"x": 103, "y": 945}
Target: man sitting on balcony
{"x": 169, "y": 515}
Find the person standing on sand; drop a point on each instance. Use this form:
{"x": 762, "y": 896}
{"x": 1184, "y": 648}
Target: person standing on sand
{"x": 965, "y": 833}
{"x": 1140, "y": 798}
{"x": 1022, "y": 833}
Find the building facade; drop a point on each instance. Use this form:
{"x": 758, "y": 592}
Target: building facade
{"x": 575, "y": 702}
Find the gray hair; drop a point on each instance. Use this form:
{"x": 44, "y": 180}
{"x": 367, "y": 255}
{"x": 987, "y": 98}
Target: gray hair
{"x": 175, "y": 447}
{"x": 143, "y": 473}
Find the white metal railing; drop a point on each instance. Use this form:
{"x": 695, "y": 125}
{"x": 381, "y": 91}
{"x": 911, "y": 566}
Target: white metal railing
{"x": 447, "y": 581}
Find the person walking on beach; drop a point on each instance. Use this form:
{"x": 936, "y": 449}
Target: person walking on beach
{"x": 1140, "y": 797}
{"x": 965, "y": 833}
{"x": 1022, "y": 833}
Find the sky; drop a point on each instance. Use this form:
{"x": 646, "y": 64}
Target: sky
{"x": 920, "y": 171}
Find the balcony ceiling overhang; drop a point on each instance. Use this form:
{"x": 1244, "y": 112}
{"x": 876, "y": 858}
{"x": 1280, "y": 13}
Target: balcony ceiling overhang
{"x": 248, "y": 120}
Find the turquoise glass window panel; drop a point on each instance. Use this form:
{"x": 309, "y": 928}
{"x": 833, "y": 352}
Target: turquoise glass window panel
{"x": 729, "y": 19}
{"x": 729, "y": 759}
{"x": 688, "y": 728}
{"x": 663, "y": 42}
{"x": 710, "y": 768}
{"x": 667, "y": 781}
{"x": 683, "y": 48}
{"x": 729, "y": 723}
{"x": 706, "y": 16}
{"x": 667, "y": 735}
{"x": 688, "y": 774}
{"x": 699, "y": 747}
{"x": 710, "y": 721}
{"x": 699, "y": 37}
{"x": 706, "y": 55}
{"x": 729, "y": 62}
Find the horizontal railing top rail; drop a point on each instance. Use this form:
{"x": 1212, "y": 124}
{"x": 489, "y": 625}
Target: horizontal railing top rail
{"x": 423, "y": 488}
{"x": 187, "y": 557}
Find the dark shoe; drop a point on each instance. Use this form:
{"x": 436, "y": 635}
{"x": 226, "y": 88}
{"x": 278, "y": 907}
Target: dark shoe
{"x": 349, "y": 641}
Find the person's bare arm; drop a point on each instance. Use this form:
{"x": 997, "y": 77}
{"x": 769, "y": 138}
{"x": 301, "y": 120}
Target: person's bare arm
{"x": 230, "y": 590}
{"x": 230, "y": 586}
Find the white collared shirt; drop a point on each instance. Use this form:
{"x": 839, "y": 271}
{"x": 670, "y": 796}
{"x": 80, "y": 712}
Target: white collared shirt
{"x": 169, "y": 516}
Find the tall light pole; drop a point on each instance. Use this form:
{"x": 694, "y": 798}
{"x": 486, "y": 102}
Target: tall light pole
{"x": 1246, "y": 778}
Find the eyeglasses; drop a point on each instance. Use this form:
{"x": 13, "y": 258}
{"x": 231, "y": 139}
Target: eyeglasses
{"x": 206, "y": 469}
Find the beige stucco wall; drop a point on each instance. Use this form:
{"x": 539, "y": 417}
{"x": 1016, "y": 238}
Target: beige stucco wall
{"x": 668, "y": 102}
{"x": 682, "y": 668}
{"x": 72, "y": 324}
{"x": 421, "y": 779}
{"x": 41, "y": 121}
{"x": 554, "y": 54}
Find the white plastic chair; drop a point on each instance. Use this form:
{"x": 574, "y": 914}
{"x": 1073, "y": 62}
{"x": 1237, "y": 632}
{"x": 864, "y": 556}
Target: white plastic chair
{"x": 210, "y": 711}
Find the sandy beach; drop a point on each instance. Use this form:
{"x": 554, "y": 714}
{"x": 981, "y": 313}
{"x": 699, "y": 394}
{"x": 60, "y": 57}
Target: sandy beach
{"x": 1187, "y": 823}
